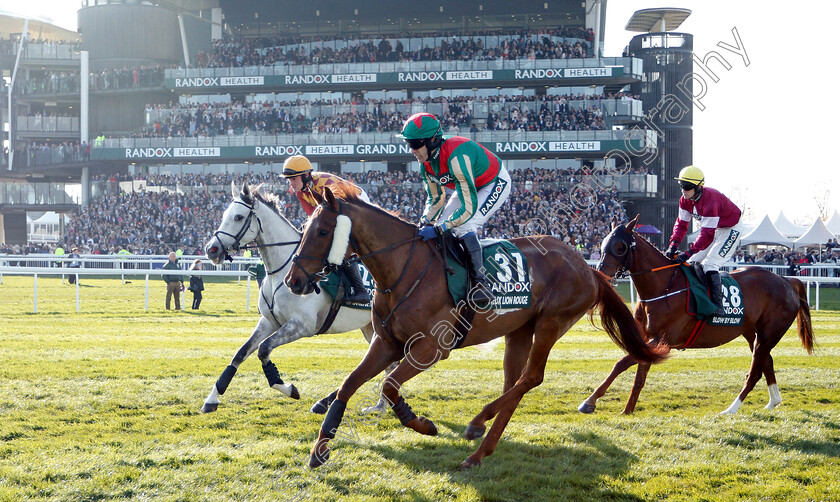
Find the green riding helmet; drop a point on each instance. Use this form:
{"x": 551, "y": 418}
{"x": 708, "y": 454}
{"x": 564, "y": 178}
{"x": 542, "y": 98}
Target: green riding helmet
{"x": 420, "y": 126}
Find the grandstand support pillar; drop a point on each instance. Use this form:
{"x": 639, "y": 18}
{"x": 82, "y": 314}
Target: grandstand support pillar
{"x": 184, "y": 41}
{"x": 593, "y": 16}
{"x": 84, "y": 118}
{"x": 23, "y": 35}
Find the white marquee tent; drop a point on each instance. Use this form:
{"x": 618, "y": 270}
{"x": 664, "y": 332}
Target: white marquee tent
{"x": 816, "y": 235}
{"x": 833, "y": 224}
{"x": 766, "y": 233}
{"x": 787, "y": 228}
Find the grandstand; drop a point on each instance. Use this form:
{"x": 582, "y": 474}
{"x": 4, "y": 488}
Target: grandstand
{"x": 164, "y": 104}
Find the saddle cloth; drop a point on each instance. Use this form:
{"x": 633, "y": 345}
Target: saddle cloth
{"x": 506, "y": 270}
{"x": 702, "y": 307}
{"x": 334, "y": 279}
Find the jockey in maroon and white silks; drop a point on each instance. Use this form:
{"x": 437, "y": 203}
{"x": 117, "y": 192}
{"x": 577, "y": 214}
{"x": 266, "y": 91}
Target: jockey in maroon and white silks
{"x": 720, "y": 228}
{"x": 718, "y": 216}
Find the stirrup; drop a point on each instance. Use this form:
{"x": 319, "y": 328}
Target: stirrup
{"x": 480, "y": 294}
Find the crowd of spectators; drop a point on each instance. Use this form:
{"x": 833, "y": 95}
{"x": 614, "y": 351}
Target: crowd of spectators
{"x": 524, "y": 113}
{"x": 9, "y": 46}
{"x": 154, "y": 220}
{"x": 181, "y": 212}
{"x": 236, "y": 51}
{"x": 68, "y": 82}
{"x": 50, "y": 153}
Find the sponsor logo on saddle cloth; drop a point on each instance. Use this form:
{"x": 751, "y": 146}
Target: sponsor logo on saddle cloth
{"x": 701, "y": 306}
{"x": 506, "y": 270}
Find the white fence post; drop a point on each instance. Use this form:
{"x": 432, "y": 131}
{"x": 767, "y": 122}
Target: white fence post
{"x": 35, "y": 298}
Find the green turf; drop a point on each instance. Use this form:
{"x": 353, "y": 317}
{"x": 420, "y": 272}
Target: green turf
{"x": 104, "y": 405}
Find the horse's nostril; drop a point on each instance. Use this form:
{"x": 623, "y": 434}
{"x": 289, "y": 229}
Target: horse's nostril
{"x": 213, "y": 249}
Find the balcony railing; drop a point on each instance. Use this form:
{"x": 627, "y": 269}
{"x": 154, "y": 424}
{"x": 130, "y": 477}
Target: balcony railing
{"x": 257, "y": 139}
{"x": 632, "y": 66}
{"x": 35, "y": 193}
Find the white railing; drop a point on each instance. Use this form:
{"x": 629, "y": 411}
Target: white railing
{"x": 36, "y": 271}
{"x": 134, "y": 265}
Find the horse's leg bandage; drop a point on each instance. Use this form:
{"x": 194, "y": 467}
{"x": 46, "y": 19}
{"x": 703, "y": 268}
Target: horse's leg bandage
{"x": 341, "y": 239}
{"x": 333, "y": 418}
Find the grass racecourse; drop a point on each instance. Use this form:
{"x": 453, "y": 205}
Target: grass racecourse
{"x": 104, "y": 405}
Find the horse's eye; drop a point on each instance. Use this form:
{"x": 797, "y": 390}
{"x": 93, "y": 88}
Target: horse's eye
{"x": 238, "y": 217}
{"x": 322, "y": 232}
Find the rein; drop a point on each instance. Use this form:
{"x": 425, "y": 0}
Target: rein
{"x": 624, "y": 268}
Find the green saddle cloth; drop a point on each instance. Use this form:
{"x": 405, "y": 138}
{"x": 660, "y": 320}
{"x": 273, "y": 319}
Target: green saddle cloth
{"x": 331, "y": 282}
{"x": 506, "y": 270}
{"x": 700, "y": 305}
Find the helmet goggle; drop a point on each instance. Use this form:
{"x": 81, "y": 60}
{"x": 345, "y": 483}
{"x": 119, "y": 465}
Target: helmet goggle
{"x": 687, "y": 185}
{"x": 416, "y": 143}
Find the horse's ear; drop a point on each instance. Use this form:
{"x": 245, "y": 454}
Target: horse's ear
{"x": 330, "y": 199}
{"x": 317, "y": 196}
{"x": 233, "y": 189}
{"x": 630, "y": 226}
{"x": 246, "y": 190}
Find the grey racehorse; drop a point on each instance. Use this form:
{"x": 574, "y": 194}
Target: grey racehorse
{"x": 285, "y": 317}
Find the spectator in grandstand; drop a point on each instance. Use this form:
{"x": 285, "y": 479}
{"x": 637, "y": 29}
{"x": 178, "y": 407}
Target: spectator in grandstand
{"x": 174, "y": 283}
{"x": 196, "y": 284}
{"x": 305, "y": 184}
{"x": 476, "y": 176}
{"x": 720, "y": 228}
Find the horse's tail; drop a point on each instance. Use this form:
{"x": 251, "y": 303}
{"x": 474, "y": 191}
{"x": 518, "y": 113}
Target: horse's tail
{"x": 622, "y": 327}
{"x": 803, "y": 315}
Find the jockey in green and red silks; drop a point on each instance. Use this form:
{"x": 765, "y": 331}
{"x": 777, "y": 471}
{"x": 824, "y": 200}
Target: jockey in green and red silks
{"x": 478, "y": 177}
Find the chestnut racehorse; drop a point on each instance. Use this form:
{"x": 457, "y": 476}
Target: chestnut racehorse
{"x": 771, "y": 304}
{"x": 415, "y": 317}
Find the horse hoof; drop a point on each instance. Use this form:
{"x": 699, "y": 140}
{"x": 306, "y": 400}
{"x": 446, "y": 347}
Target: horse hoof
{"x": 209, "y": 407}
{"x": 423, "y": 425}
{"x": 294, "y": 393}
{"x": 469, "y": 463}
{"x": 586, "y": 407}
{"x": 316, "y": 460}
{"x": 323, "y": 405}
{"x": 473, "y": 432}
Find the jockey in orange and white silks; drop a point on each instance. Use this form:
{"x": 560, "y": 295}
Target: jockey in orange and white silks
{"x": 478, "y": 178}
{"x": 720, "y": 227}
{"x": 305, "y": 183}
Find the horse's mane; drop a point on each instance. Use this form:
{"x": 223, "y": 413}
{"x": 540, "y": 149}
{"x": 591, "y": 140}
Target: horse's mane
{"x": 357, "y": 201}
{"x": 271, "y": 200}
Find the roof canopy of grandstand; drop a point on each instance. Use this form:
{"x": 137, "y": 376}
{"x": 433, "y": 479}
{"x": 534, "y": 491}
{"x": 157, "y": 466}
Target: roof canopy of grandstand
{"x": 12, "y": 23}
{"x": 657, "y": 20}
{"x": 264, "y": 18}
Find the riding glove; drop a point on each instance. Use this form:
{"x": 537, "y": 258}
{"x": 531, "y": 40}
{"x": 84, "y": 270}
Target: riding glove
{"x": 427, "y": 232}
{"x": 672, "y": 251}
{"x": 684, "y": 256}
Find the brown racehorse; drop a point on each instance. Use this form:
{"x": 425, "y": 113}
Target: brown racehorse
{"x": 771, "y": 303}
{"x": 415, "y": 318}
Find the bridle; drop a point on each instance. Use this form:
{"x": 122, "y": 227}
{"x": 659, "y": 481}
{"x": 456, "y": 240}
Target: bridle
{"x": 627, "y": 254}
{"x": 326, "y": 266}
{"x": 237, "y": 237}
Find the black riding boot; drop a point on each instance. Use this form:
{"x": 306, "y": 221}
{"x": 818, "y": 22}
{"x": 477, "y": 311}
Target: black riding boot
{"x": 357, "y": 292}
{"x": 481, "y": 294}
{"x": 715, "y": 292}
